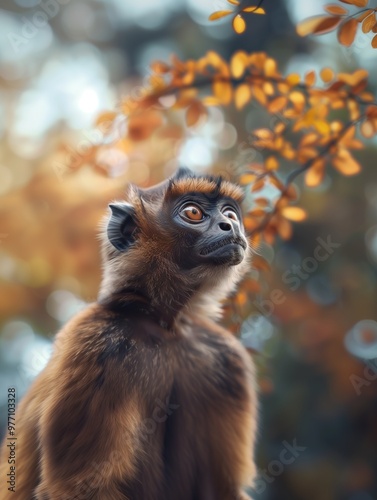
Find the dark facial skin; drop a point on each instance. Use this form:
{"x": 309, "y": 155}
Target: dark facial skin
{"x": 210, "y": 230}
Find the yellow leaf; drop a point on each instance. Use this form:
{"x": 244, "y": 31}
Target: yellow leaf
{"x": 223, "y": 91}
{"x": 347, "y": 32}
{"x": 317, "y": 25}
{"x": 219, "y": 14}
{"x": 210, "y": 100}
{"x": 234, "y": 2}
{"x": 295, "y": 214}
{"x": 259, "y": 95}
{"x": 297, "y": 98}
{"x": 322, "y": 126}
{"x": 345, "y": 163}
{"x": 239, "y": 24}
{"x": 268, "y": 88}
{"x": 263, "y": 133}
{"x": 293, "y": 79}
{"x": 254, "y": 10}
{"x": 238, "y": 64}
{"x": 270, "y": 67}
{"x": 271, "y": 163}
{"x": 247, "y": 178}
{"x": 327, "y": 74}
{"x": 242, "y": 95}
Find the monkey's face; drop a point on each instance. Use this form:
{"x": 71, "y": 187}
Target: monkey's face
{"x": 208, "y": 230}
{"x": 193, "y": 222}
{"x": 192, "y": 230}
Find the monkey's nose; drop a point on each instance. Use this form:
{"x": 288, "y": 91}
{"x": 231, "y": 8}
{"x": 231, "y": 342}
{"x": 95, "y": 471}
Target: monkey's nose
{"x": 225, "y": 226}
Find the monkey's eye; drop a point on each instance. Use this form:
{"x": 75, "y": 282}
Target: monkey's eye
{"x": 230, "y": 213}
{"x": 192, "y": 213}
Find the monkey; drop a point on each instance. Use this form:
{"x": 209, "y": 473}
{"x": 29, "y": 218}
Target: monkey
{"x": 146, "y": 396}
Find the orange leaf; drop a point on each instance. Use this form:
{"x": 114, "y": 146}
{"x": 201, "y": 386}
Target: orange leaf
{"x": 141, "y": 126}
{"x": 317, "y": 25}
{"x": 295, "y": 214}
{"x": 310, "y": 78}
{"x": 258, "y": 185}
{"x": 263, "y": 202}
{"x": 314, "y": 176}
{"x": 368, "y": 23}
{"x": 239, "y": 24}
{"x": 260, "y": 263}
{"x": 254, "y": 10}
{"x": 327, "y": 74}
{"x": 234, "y": 2}
{"x": 354, "y": 78}
{"x": 160, "y": 67}
{"x": 335, "y": 9}
{"x": 345, "y": 163}
{"x": 256, "y": 212}
{"x": 238, "y": 63}
{"x": 219, "y": 14}
{"x": 285, "y": 229}
{"x": 277, "y": 104}
{"x": 358, "y": 3}
{"x": 194, "y": 112}
{"x": 364, "y": 15}
{"x": 105, "y": 119}
{"x": 374, "y": 42}
{"x": 347, "y": 32}
{"x": 242, "y": 95}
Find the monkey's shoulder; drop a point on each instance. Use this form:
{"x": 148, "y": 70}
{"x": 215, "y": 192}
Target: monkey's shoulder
{"x": 215, "y": 359}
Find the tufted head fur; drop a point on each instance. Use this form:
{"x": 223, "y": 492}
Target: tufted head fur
{"x": 148, "y": 255}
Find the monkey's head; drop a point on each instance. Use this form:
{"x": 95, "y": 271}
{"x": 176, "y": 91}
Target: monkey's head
{"x": 183, "y": 236}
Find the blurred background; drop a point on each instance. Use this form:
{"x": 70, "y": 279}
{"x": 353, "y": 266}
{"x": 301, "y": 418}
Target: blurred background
{"x": 312, "y": 325}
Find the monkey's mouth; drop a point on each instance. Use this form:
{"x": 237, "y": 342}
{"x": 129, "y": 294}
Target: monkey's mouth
{"x": 232, "y": 240}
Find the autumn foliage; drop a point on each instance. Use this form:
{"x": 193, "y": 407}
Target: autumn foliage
{"x": 320, "y": 118}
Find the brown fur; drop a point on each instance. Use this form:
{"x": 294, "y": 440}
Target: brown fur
{"x": 145, "y": 397}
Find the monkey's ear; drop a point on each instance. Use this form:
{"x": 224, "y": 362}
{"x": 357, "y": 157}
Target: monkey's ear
{"x": 121, "y": 226}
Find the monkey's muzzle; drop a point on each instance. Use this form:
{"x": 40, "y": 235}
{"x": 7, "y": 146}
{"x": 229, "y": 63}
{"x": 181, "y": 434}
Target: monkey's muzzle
{"x": 230, "y": 250}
